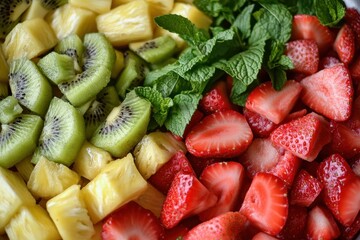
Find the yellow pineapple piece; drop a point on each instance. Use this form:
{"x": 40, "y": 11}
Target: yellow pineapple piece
{"x": 154, "y": 150}
{"x": 4, "y": 67}
{"x": 36, "y": 10}
{"x": 32, "y": 223}
{"x": 160, "y": 7}
{"x": 119, "y": 64}
{"x": 25, "y": 168}
{"x": 14, "y": 195}
{"x": 69, "y": 19}
{"x": 50, "y": 178}
{"x": 116, "y": 3}
{"x": 69, "y": 214}
{"x": 126, "y": 23}
{"x": 151, "y": 199}
{"x": 29, "y": 39}
{"x": 190, "y": 12}
{"x": 97, "y": 6}
{"x": 90, "y": 160}
{"x": 118, "y": 183}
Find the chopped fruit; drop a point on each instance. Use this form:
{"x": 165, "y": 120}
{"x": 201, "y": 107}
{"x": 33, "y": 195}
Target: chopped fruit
{"x": 151, "y": 199}
{"x": 131, "y": 221}
{"x": 309, "y": 27}
{"x": 286, "y": 167}
{"x": 217, "y": 99}
{"x": 199, "y": 164}
{"x": 349, "y": 204}
{"x": 25, "y": 168}
{"x": 344, "y": 44}
{"x": 221, "y": 134}
{"x": 352, "y": 18}
{"x": 93, "y": 5}
{"x": 260, "y": 126}
{"x": 295, "y": 115}
{"x": 195, "y": 119}
{"x": 273, "y": 105}
{"x": 164, "y": 176}
{"x": 305, "y": 189}
{"x": 187, "y": 196}
{"x": 263, "y": 236}
{"x": 225, "y": 180}
{"x": 226, "y": 226}
{"x": 295, "y": 225}
{"x": 356, "y": 166}
{"x": 350, "y": 232}
{"x": 304, "y": 55}
{"x": 304, "y": 137}
{"x": 321, "y": 224}
{"x": 266, "y": 203}
{"x": 344, "y": 140}
{"x": 328, "y": 62}
{"x": 329, "y": 92}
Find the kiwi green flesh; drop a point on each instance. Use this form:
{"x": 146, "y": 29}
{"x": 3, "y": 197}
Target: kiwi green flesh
{"x": 9, "y": 109}
{"x": 10, "y": 12}
{"x": 132, "y": 75}
{"x": 63, "y": 133}
{"x": 72, "y": 46}
{"x": 4, "y": 90}
{"x": 124, "y": 126}
{"x": 29, "y": 86}
{"x": 18, "y": 139}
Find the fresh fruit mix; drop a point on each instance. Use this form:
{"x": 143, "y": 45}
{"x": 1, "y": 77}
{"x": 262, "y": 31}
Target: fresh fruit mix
{"x": 163, "y": 119}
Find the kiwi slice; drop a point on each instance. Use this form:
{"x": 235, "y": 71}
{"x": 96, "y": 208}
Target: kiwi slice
{"x": 72, "y": 46}
{"x": 132, "y": 75}
{"x": 39, "y": 8}
{"x": 124, "y": 126}
{"x": 10, "y": 12}
{"x": 63, "y": 133}
{"x": 57, "y": 67}
{"x": 156, "y": 50}
{"x": 18, "y": 139}
{"x": 29, "y": 86}
{"x": 9, "y": 109}
{"x": 4, "y": 90}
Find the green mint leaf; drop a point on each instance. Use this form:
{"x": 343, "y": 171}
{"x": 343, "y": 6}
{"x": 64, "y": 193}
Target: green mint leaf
{"x": 243, "y": 22}
{"x": 306, "y": 7}
{"x": 278, "y": 77}
{"x": 199, "y": 77}
{"x": 168, "y": 85}
{"x": 240, "y": 92}
{"x": 330, "y": 12}
{"x": 285, "y": 63}
{"x": 154, "y": 75}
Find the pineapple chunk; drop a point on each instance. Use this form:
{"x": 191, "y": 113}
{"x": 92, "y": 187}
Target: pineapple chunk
{"x": 154, "y": 150}
{"x": 69, "y": 214}
{"x": 32, "y": 223}
{"x": 25, "y": 168}
{"x": 50, "y": 178}
{"x": 118, "y": 183}
{"x": 119, "y": 64}
{"x": 36, "y": 10}
{"x": 152, "y": 199}
{"x": 90, "y": 160}
{"x": 4, "y": 67}
{"x": 160, "y": 7}
{"x": 14, "y": 195}
{"x": 29, "y": 39}
{"x": 68, "y": 19}
{"x": 97, "y": 6}
{"x": 126, "y": 23}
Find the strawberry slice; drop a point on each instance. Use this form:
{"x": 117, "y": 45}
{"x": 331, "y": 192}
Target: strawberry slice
{"x": 309, "y": 27}
{"x": 304, "y": 55}
{"x": 352, "y": 17}
{"x": 344, "y": 140}
{"x": 263, "y": 236}
{"x": 195, "y": 119}
{"x": 165, "y": 175}
{"x": 221, "y": 134}
{"x": 225, "y": 180}
{"x": 217, "y": 99}
{"x": 131, "y": 221}
{"x": 349, "y": 203}
{"x": 328, "y": 62}
{"x": 226, "y": 226}
{"x": 199, "y": 164}
{"x": 295, "y": 225}
{"x": 351, "y": 231}
{"x": 266, "y": 203}
{"x": 273, "y": 105}
{"x": 187, "y": 196}
{"x": 261, "y": 126}
{"x": 321, "y": 224}
{"x": 329, "y": 92}
{"x": 344, "y": 44}
{"x": 304, "y": 137}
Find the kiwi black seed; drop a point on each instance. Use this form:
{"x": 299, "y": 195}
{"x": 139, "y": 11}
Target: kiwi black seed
{"x": 10, "y": 12}
{"x": 18, "y": 139}
{"x": 72, "y": 46}
{"x": 124, "y": 127}
{"x": 29, "y": 86}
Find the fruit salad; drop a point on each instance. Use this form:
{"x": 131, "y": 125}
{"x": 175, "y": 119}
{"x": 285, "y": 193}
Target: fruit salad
{"x": 169, "y": 120}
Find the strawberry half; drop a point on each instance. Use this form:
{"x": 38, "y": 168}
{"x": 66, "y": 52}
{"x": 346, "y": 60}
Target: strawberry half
{"x": 295, "y": 225}
{"x": 187, "y": 196}
{"x": 217, "y": 99}
{"x": 266, "y": 203}
{"x": 344, "y": 44}
{"x": 328, "y": 62}
{"x": 221, "y": 134}
{"x": 226, "y": 226}
{"x": 225, "y": 180}
{"x": 304, "y": 55}
{"x": 273, "y": 105}
{"x": 329, "y": 92}
{"x": 131, "y": 221}
{"x": 321, "y": 224}
{"x": 352, "y": 17}
{"x": 261, "y": 126}
{"x": 344, "y": 140}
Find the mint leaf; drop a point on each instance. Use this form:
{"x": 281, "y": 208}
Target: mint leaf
{"x": 306, "y": 7}
{"x": 330, "y": 12}
{"x": 154, "y": 75}
{"x": 278, "y": 77}
{"x": 243, "y": 22}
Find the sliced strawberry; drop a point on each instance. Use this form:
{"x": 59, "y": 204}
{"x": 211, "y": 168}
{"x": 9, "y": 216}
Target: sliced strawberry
{"x": 354, "y": 69}
{"x": 329, "y": 92}
{"x": 354, "y": 121}
{"x": 226, "y": 226}
{"x": 349, "y": 204}
{"x": 344, "y": 44}
{"x": 164, "y": 176}
{"x": 225, "y": 180}
{"x": 309, "y": 27}
{"x": 352, "y": 17}
{"x": 263, "y": 236}
{"x": 305, "y": 190}
{"x": 195, "y": 119}
{"x": 221, "y": 134}
{"x": 304, "y": 55}
{"x": 328, "y": 62}
{"x": 321, "y": 224}
{"x": 266, "y": 203}
{"x": 199, "y": 164}
{"x": 217, "y": 99}
{"x": 295, "y": 115}
{"x": 351, "y": 231}
{"x": 273, "y": 105}
{"x": 344, "y": 140}
{"x": 261, "y": 126}
{"x": 131, "y": 221}
{"x": 187, "y": 196}
{"x": 356, "y": 166}
{"x": 295, "y": 225}
{"x": 304, "y": 137}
